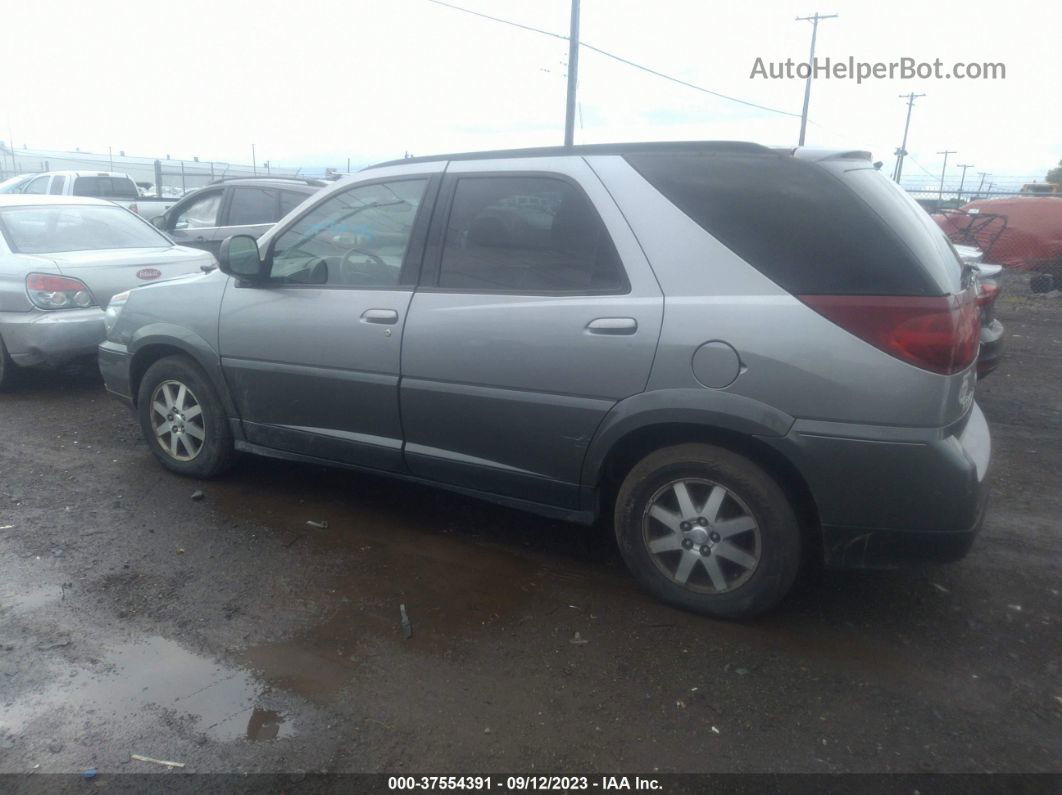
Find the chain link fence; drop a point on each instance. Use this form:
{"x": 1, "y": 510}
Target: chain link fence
{"x": 165, "y": 176}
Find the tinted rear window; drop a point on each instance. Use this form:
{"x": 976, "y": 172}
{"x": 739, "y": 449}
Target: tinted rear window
{"x": 105, "y": 187}
{"x": 804, "y": 227}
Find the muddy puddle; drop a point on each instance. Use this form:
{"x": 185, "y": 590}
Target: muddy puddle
{"x": 464, "y": 570}
{"x": 152, "y": 676}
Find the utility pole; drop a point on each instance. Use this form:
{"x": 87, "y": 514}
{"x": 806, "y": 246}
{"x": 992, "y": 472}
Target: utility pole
{"x": 254, "y": 163}
{"x": 983, "y": 175}
{"x": 110, "y": 157}
{"x": 946, "y": 152}
{"x": 901, "y": 153}
{"x": 962, "y": 181}
{"x": 814, "y": 20}
{"x": 573, "y": 76}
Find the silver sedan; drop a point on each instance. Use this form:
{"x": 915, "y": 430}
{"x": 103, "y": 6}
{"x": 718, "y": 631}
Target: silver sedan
{"x": 62, "y": 258}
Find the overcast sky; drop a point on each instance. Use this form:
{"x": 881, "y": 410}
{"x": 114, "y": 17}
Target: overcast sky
{"x": 314, "y": 82}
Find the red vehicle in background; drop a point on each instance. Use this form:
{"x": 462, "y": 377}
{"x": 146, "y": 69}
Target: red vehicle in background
{"x": 1022, "y": 233}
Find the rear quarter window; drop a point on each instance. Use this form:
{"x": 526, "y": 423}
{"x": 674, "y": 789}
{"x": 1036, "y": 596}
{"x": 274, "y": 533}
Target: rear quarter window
{"x": 802, "y": 226}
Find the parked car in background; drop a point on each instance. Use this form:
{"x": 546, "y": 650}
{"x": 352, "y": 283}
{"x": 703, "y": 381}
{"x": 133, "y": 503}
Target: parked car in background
{"x": 12, "y": 184}
{"x": 1021, "y": 233}
{"x": 655, "y": 332}
{"x": 62, "y": 258}
{"x": 244, "y": 205}
{"x": 990, "y": 353}
{"x": 118, "y": 188}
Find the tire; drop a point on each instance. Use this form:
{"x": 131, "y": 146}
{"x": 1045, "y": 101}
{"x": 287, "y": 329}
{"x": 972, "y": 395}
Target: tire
{"x": 9, "y": 371}
{"x": 203, "y": 442}
{"x": 1042, "y": 283}
{"x": 730, "y": 572}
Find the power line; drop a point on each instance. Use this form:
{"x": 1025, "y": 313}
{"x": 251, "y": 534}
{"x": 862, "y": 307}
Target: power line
{"x": 619, "y": 58}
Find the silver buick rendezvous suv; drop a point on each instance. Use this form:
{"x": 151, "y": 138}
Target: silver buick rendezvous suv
{"x": 745, "y": 358}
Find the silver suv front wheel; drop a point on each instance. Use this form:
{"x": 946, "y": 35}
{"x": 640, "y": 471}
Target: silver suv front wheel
{"x": 182, "y": 419}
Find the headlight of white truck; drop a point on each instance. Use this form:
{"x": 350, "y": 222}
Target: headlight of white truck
{"x": 114, "y": 308}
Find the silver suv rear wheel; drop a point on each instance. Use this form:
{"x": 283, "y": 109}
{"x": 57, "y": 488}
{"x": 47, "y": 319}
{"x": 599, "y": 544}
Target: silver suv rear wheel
{"x": 701, "y": 535}
{"x": 709, "y": 530}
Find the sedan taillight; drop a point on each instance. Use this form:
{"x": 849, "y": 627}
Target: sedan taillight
{"x": 48, "y": 291}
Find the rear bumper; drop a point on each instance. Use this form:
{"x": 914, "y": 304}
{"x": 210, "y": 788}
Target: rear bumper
{"x": 41, "y": 338}
{"x": 114, "y": 363}
{"x": 888, "y": 495}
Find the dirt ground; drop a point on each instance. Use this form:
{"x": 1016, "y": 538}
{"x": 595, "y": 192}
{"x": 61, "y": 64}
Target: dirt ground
{"x": 228, "y": 634}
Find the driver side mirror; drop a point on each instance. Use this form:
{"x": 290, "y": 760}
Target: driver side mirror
{"x": 159, "y": 221}
{"x": 239, "y": 258}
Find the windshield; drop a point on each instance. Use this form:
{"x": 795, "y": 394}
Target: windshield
{"x": 12, "y": 184}
{"x": 51, "y": 229}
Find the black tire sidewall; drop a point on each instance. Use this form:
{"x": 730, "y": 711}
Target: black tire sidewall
{"x": 779, "y": 528}
{"x": 217, "y": 452}
{"x": 8, "y": 369}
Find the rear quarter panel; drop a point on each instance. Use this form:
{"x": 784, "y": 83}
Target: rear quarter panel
{"x": 792, "y": 359}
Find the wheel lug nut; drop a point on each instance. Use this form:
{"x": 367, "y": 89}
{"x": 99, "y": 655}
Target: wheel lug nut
{"x": 685, "y": 527}
{"x": 687, "y": 543}
{"x": 702, "y": 521}
{"x": 706, "y": 550}
{"x": 714, "y": 536}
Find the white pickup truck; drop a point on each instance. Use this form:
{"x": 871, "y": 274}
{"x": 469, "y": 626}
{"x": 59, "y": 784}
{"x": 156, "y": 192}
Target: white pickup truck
{"x": 118, "y": 188}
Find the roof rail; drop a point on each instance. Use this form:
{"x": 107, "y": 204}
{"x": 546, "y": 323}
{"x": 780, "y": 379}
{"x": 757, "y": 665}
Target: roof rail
{"x": 707, "y": 147}
{"x": 317, "y": 183}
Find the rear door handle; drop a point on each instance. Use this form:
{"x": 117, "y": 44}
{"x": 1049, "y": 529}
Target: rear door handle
{"x": 386, "y": 316}
{"x": 612, "y": 325}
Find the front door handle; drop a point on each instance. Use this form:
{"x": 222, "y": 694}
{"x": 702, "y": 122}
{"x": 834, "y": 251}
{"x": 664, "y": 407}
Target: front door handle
{"x": 612, "y": 325}
{"x": 385, "y": 316}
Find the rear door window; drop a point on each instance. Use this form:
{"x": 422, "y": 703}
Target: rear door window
{"x": 527, "y": 234}
{"x": 252, "y": 206}
{"x": 811, "y": 231}
{"x": 58, "y": 183}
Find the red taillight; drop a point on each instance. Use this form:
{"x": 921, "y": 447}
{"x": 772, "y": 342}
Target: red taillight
{"x": 47, "y": 283}
{"x": 935, "y": 333}
{"x": 987, "y": 293}
{"x": 49, "y": 291}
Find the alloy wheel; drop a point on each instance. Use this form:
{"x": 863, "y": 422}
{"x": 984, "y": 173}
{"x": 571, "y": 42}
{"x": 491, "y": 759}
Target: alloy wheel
{"x": 701, "y": 535}
{"x": 177, "y": 419}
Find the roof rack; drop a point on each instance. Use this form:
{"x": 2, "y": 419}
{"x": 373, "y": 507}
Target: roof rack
{"x": 707, "y": 147}
{"x": 317, "y": 183}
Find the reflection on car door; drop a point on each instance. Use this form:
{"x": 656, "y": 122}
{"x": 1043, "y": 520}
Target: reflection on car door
{"x": 312, "y": 356}
{"x": 196, "y": 223}
{"x": 537, "y": 313}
